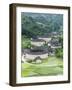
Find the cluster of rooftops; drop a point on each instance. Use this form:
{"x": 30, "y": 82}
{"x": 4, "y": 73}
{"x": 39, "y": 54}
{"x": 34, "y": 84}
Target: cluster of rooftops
{"x": 42, "y": 46}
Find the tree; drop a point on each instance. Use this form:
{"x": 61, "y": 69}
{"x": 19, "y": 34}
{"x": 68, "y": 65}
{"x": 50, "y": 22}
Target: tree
{"x": 61, "y": 40}
{"x": 59, "y": 52}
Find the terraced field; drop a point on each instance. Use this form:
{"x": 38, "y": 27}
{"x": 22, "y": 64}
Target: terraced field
{"x": 49, "y": 67}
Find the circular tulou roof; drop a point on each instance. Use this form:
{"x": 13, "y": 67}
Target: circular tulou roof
{"x": 36, "y": 52}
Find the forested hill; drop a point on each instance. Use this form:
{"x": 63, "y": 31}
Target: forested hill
{"x": 39, "y": 24}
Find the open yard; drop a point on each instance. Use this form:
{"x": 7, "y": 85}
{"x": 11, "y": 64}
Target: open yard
{"x": 50, "y": 66}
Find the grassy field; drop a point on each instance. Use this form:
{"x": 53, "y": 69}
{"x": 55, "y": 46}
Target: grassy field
{"x": 50, "y": 66}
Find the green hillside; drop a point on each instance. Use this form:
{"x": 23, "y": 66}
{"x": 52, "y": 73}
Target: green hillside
{"x": 39, "y": 24}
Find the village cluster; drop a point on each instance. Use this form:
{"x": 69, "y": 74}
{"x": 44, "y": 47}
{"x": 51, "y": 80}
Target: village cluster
{"x": 41, "y": 48}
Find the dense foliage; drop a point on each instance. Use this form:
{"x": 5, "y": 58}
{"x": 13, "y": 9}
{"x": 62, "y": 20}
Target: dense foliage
{"x": 38, "y": 24}
{"x": 59, "y": 52}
